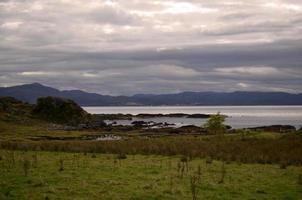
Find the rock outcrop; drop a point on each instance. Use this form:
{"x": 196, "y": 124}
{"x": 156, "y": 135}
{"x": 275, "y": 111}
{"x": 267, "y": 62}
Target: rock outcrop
{"x": 60, "y": 110}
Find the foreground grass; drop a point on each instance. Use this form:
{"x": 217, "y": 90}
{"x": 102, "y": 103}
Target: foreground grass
{"x": 53, "y": 175}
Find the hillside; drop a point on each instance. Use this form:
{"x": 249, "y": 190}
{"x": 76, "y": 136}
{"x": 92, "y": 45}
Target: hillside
{"x": 50, "y": 109}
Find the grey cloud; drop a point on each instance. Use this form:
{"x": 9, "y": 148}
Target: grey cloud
{"x": 131, "y": 47}
{"x": 109, "y": 15}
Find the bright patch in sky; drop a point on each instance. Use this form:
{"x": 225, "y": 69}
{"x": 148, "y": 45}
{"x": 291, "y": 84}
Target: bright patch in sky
{"x": 38, "y": 73}
{"x": 184, "y": 7}
{"x": 11, "y": 25}
{"x": 261, "y": 71}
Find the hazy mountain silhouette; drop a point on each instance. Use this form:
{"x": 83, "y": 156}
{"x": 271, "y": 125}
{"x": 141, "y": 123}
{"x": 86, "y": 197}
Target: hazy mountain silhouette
{"x": 30, "y": 93}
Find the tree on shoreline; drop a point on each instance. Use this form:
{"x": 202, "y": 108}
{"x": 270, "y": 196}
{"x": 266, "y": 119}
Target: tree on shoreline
{"x": 215, "y": 124}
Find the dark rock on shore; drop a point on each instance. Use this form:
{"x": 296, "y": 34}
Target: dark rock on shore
{"x": 176, "y": 115}
{"x": 199, "y": 116}
{"x": 92, "y": 124}
{"x": 150, "y": 124}
{"x": 113, "y": 116}
{"x": 228, "y": 127}
{"x": 275, "y": 128}
{"x": 144, "y": 115}
{"x": 139, "y": 123}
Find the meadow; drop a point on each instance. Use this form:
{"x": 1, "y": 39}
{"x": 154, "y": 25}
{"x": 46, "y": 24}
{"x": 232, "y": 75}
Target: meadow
{"x": 57, "y": 175}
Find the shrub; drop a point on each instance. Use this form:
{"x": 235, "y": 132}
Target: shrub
{"x": 215, "y": 124}
{"x": 194, "y": 187}
{"x": 209, "y": 160}
{"x": 14, "y": 110}
{"x": 283, "y": 164}
{"x": 26, "y": 166}
{"x": 121, "y": 156}
{"x": 184, "y": 159}
{"x": 61, "y": 164}
{"x": 35, "y": 161}
{"x": 300, "y": 179}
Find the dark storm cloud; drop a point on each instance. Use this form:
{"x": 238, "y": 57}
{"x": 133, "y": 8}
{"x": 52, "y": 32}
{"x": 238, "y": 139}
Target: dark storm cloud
{"x": 126, "y": 47}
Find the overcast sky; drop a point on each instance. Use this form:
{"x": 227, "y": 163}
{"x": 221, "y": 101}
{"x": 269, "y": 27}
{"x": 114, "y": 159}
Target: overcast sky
{"x": 143, "y": 46}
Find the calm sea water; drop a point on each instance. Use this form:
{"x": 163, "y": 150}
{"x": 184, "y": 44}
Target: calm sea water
{"x": 238, "y": 116}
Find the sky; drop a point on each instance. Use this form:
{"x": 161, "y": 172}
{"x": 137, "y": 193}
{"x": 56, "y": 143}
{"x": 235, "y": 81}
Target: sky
{"x": 125, "y": 47}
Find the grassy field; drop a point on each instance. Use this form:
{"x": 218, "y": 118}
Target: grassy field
{"x": 146, "y": 165}
{"x": 42, "y": 160}
{"x": 57, "y": 175}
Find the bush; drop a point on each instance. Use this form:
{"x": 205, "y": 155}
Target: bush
{"x": 121, "y": 156}
{"x": 14, "y": 110}
{"x": 215, "y": 124}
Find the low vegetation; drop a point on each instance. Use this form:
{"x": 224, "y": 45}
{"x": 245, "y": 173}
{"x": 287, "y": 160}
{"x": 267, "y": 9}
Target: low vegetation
{"x": 38, "y": 160}
{"x": 59, "y": 175}
{"x": 286, "y": 150}
{"x": 12, "y": 109}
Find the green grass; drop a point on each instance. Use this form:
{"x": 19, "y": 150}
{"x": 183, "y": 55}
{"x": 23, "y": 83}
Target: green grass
{"x": 36, "y": 175}
{"x": 102, "y": 176}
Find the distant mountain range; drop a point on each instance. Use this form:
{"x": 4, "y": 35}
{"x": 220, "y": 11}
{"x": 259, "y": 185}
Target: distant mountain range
{"x": 30, "y": 93}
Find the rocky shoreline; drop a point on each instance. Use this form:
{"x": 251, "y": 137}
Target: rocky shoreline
{"x": 146, "y": 115}
{"x": 66, "y": 115}
{"x": 162, "y": 126}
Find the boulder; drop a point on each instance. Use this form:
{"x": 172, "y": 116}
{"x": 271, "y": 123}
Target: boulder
{"x": 146, "y": 115}
{"x": 112, "y": 116}
{"x": 139, "y": 123}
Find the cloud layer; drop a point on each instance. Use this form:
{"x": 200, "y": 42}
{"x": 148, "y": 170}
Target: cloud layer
{"x": 126, "y": 47}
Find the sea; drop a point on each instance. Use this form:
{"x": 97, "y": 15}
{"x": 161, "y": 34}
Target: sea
{"x": 238, "y": 116}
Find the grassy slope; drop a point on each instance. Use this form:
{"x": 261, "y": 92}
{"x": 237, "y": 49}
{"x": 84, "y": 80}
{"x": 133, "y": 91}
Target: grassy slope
{"x": 138, "y": 177}
{"x": 13, "y": 131}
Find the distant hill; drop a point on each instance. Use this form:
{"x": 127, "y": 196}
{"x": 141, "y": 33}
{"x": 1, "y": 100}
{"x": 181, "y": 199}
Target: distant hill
{"x": 31, "y": 92}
